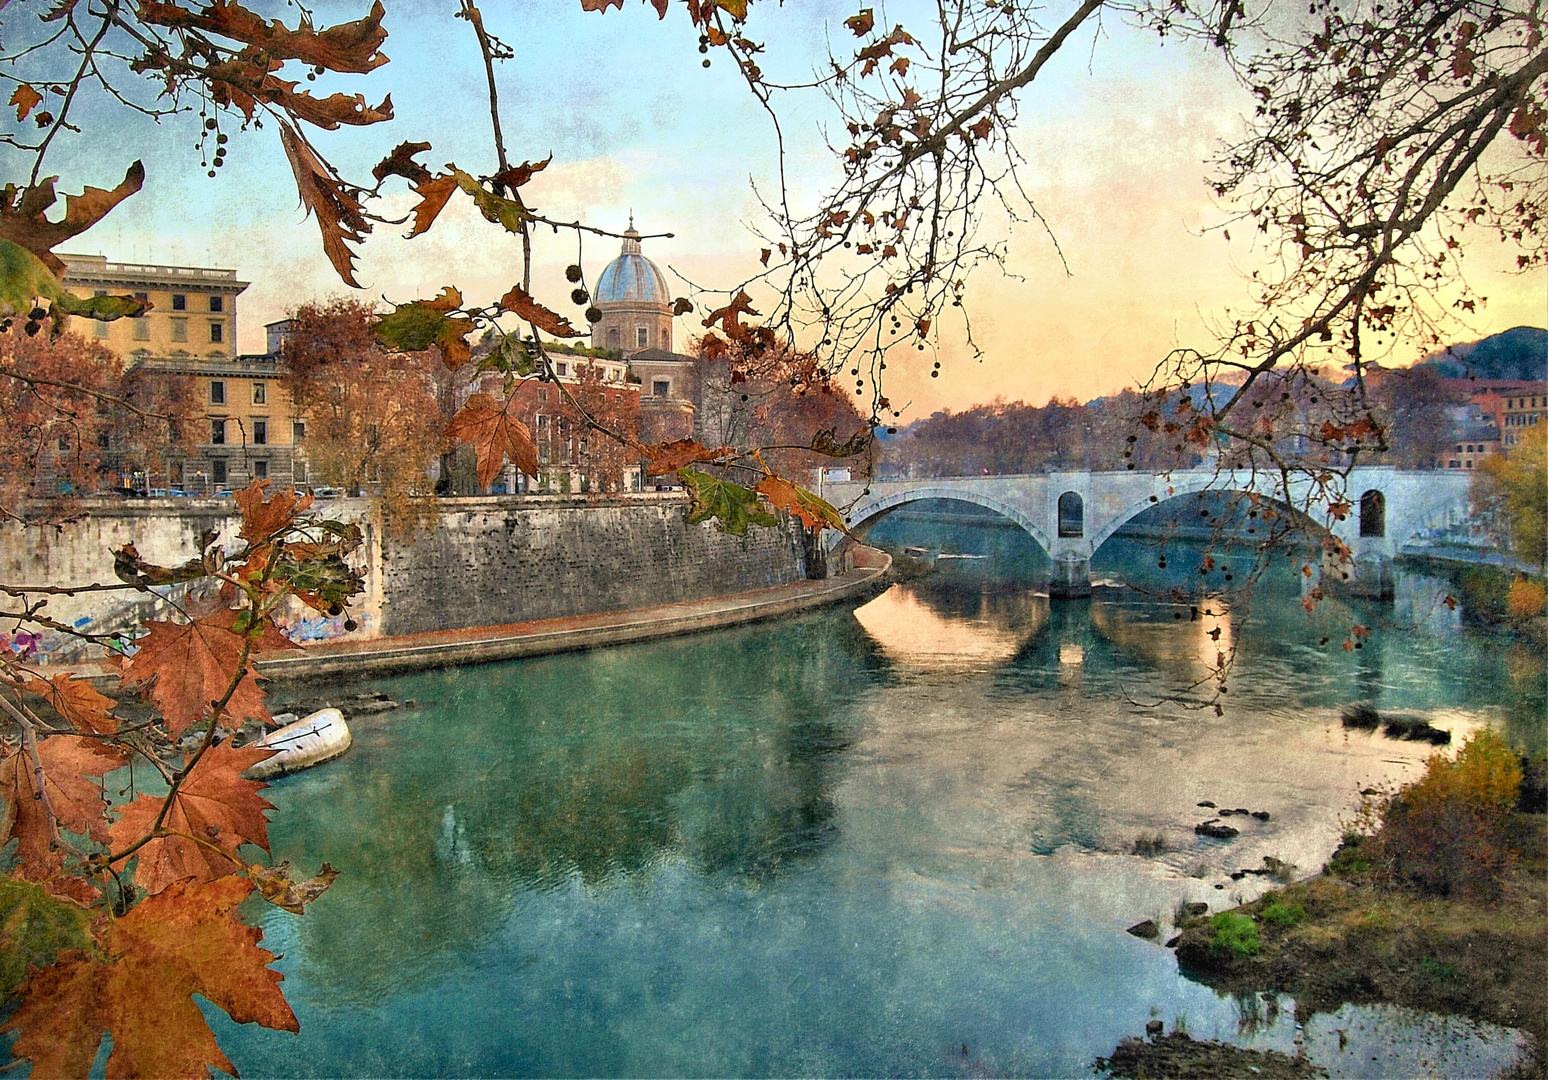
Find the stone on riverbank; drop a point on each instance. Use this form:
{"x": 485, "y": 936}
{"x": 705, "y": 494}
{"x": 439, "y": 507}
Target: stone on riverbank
{"x": 1177, "y": 1055}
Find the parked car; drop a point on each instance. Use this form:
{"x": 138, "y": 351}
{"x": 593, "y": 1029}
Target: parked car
{"x": 327, "y": 492}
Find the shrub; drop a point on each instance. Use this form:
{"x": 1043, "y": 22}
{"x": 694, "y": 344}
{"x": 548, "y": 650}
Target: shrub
{"x": 1526, "y": 598}
{"x": 1234, "y": 934}
{"x": 1283, "y": 914}
{"x": 1444, "y": 833}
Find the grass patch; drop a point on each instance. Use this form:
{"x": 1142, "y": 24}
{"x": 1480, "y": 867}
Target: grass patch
{"x": 1235, "y": 935}
{"x": 1282, "y": 914}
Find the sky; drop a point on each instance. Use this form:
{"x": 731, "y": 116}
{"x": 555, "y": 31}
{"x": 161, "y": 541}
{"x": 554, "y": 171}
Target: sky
{"x": 1117, "y": 131}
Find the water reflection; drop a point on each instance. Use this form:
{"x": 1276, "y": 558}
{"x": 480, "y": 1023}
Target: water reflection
{"x": 843, "y": 844}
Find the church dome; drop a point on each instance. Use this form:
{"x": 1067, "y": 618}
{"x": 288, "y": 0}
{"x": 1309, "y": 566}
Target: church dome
{"x": 631, "y": 277}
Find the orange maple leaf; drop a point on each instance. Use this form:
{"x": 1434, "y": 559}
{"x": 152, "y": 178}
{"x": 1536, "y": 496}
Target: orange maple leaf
{"x": 184, "y": 941}
{"x": 78, "y": 702}
{"x": 495, "y": 434}
{"x": 25, "y": 98}
{"x": 262, "y": 519}
{"x": 215, "y": 804}
{"x": 520, "y": 303}
{"x": 671, "y": 456}
{"x": 814, "y": 512}
{"x": 23, "y": 223}
{"x": 186, "y": 666}
{"x": 76, "y": 800}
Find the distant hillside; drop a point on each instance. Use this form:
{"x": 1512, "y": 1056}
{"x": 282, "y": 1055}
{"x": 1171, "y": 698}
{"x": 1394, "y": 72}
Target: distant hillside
{"x": 1520, "y": 353}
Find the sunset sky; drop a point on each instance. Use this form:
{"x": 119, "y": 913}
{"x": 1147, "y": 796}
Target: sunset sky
{"x": 1117, "y": 132}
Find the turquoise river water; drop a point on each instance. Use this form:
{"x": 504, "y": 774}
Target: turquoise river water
{"x": 889, "y": 841}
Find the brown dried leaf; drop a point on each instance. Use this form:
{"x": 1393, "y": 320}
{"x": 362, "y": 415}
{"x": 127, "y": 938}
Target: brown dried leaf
{"x": 815, "y": 513}
{"x": 671, "y": 456}
{"x": 187, "y": 940}
{"x": 339, "y": 212}
{"x": 519, "y": 303}
{"x": 23, "y": 222}
{"x": 216, "y": 804}
{"x": 495, "y": 435}
{"x": 78, "y": 702}
{"x": 185, "y": 666}
{"x": 263, "y": 519}
{"x": 76, "y": 800}
{"x": 25, "y": 98}
{"x": 350, "y": 47}
{"x": 277, "y": 888}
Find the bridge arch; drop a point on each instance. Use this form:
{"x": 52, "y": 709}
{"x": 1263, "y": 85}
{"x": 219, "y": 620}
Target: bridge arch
{"x": 870, "y": 511}
{"x": 1182, "y": 488}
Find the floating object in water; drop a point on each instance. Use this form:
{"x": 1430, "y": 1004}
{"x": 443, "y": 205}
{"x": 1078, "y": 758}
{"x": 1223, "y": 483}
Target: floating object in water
{"x": 313, "y": 739}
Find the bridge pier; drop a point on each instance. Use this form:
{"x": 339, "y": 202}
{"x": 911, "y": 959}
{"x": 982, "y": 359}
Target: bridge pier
{"x": 1071, "y": 578}
{"x": 1367, "y": 575}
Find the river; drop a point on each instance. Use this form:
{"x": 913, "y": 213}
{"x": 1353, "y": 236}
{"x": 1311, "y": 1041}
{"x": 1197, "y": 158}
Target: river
{"x": 891, "y": 841}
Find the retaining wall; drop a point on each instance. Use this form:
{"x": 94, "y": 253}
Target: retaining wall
{"x": 479, "y": 562}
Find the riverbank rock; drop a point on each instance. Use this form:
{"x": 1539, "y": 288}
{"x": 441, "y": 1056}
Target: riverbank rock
{"x": 1215, "y": 831}
{"x": 1146, "y": 929}
{"x": 1177, "y": 1055}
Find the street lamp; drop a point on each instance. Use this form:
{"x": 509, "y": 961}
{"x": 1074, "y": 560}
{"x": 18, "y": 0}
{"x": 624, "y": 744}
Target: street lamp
{"x": 199, "y": 476}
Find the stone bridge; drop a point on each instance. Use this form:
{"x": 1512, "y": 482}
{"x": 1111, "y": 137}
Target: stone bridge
{"x": 1071, "y": 514}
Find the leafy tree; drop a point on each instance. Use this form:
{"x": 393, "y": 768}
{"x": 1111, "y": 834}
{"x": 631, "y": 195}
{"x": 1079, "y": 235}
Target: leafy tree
{"x": 1518, "y": 486}
{"x": 371, "y": 415}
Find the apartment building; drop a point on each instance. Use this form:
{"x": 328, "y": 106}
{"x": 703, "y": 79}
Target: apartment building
{"x": 247, "y": 427}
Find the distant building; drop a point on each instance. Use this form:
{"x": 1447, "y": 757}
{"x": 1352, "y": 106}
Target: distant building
{"x": 247, "y": 426}
{"x": 636, "y": 306}
{"x": 1509, "y": 404}
{"x": 1475, "y": 436}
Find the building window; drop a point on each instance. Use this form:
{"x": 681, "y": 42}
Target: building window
{"x": 217, "y": 303}
{"x": 260, "y": 432}
{"x": 642, "y": 336}
{"x": 179, "y": 301}
{"x": 1072, "y": 515}
{"x": 260, "y": 470}
{"x": 179, "y": 329}
{"x": 562, "y": 368}
{"x": 661, "y": 388}
{"x": 1373, "y": 514}
{"x": 297, "y": 431}
{"x": 218, "y": 432}
{"x": 217, "y": 331}
{"x": 260, "y": 393}
{"x": 64, "y": 444}
{"x": 298, "y": 471}
{"x": 218, "y": 472}
{"x": 218, "y": 393}
{"x": 612, "y": 338}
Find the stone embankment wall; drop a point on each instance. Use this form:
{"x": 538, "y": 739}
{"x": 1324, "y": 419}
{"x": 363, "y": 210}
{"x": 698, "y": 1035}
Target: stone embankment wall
{"x": 495, "y": 561}
{"x": 478, "y": 562}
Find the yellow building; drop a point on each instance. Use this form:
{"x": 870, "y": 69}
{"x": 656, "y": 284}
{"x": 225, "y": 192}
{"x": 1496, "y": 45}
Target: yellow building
{"x": 247, "y": 428}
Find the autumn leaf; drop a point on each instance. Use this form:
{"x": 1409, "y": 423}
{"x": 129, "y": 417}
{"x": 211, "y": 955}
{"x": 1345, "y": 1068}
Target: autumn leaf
{"x": 75, "y": 800}
{"x": 980, "y": 130}
{"x": 826, "y": 443}
{"x": 732, "y": 506}
{"x": 518, "y": 175}
{"x": 263, "y": 519}
{"x": 22, "y": 221}
{"x": 101, "y": 308}
{"x": 183, "y": 941}
{"x": 133, "y": 570}
{"x": 216, "y": 804}
{"x": 34, "y": 927}
{"x": 420, "y": 324}
{"x": 682, "y": 306}
{"x": 815, "y": 513}
{"x": 671, "y": 456}
{"x": 351, "y": 47}
{"x": 185, "y": 666}
{"x": 277, "y": 888}
{"x": 519, "y": 303}
{"x": 495, "y": 435}
{"x": 78, "y": 702}
{"x": 861, "y": 23}
{"x": 741, "y": 304}
{"x": 338, "y": 209}
{"x": 401, "y": 163}
{"x": 25, "y": 98}
{"x": 504, "y": 212}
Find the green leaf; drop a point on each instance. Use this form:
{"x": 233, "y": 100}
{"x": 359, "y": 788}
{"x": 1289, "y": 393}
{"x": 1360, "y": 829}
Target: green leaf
{"x": 500, "y": 211}
{"x": 24, "y": 279}
{"x": 101, "y": 308}
{"x": 411, "y": 327}
{"x": 34, "y": 927}
{"x": 733, "y": 506}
